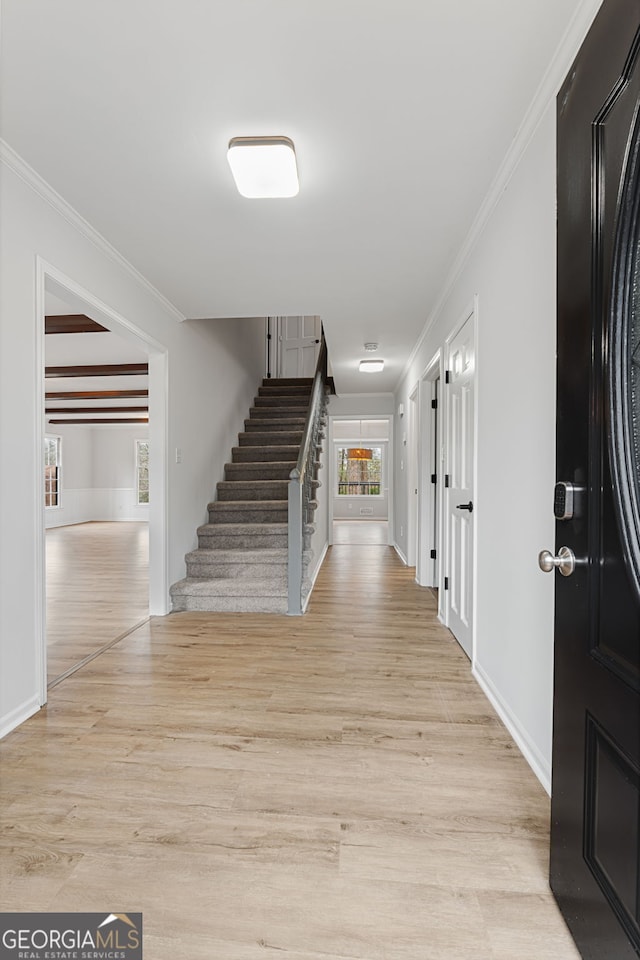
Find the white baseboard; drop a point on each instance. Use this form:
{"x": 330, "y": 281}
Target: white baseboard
{"x": 400, "y": 554}
{"x": 314, "y": 576}
{"x": 15, "y": 717}
{"x": 94, "y": 503}
{"x": 540, "y": 766}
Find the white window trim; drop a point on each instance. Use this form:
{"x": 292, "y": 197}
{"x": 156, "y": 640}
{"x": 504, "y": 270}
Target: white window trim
{"x": 384, "y": 456}
{"x": 136, "y": 447}
{"x": 58, "y": 505}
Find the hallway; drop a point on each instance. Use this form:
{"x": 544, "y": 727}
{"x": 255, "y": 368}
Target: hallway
{"x": 333, "y": 787}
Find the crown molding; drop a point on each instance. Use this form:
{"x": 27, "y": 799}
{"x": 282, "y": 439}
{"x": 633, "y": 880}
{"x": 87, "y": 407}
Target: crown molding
{"x": 39, "y": 185}
{"x": 548, "y": 88}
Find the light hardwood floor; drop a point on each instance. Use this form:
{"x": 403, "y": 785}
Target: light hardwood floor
{"x": 97, "y": 588}
{"x": 332, "y": 787}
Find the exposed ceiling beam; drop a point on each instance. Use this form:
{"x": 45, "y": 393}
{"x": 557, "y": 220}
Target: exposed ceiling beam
{"x": 104, "y": 420}
{"x": 72, "y": 323}
{"x": 96, "y": 409}
{"x": 99, "y": 370}
{"x": 96, "y": 394}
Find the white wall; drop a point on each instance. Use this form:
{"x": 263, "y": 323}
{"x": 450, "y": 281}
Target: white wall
{"x": 98, "y": 477}
{"x": 512, "y": 270}
{"x": 213, "y": 371}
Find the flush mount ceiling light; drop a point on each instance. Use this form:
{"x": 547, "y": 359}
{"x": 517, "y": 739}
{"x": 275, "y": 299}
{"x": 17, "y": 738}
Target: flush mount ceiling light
{"x": 264, "y": 166}
{"x": 371, "y": 366}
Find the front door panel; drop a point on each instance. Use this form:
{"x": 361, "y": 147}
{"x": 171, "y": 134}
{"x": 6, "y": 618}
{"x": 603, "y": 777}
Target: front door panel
{"x": 596, "y": 753}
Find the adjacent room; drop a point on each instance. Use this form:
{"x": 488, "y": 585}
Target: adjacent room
{"x": 96, "y": 487}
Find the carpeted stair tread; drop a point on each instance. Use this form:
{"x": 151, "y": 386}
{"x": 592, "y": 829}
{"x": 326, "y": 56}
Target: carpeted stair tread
{"x": 266, "y": 403}
{"x": 249, "y": 511}
{"x": 259, "y": 470}
{"x": 277, "y": 413}
{"x": 287, "y": 382}
{"x": 249, "y": 564}
{"x": 271, "y": 424}
{"x": 259, "y": 438}
{"x": 265, "y": 454}
{"x": 273, "y": 555}
{"x": 193, "y": 586}
{"x": 242, "y": 530}
{"x": 284, "y": 391}
{"x": 249, "y": 490}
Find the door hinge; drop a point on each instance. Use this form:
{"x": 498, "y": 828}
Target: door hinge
{"x": 269, "y": 337}
{"x": 446, "y": 583}
{"x": 434, "y": 478}
{"x": 434, "y": 404}
{"x": 447, "y": 376}
{"x": 446, "y": 479}
{"x": 433, "y": 555}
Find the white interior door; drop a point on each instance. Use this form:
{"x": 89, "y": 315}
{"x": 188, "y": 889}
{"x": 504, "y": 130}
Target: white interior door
{"x": 298, "y": 346}
{"x": 459, "y": 492}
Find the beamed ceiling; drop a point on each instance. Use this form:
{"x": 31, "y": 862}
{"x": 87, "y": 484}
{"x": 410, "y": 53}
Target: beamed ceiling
{"x": 92, "y": 376}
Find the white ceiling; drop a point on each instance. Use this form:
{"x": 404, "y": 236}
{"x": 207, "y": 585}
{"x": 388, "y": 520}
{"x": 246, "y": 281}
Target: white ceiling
{"x": 401, "y": 112}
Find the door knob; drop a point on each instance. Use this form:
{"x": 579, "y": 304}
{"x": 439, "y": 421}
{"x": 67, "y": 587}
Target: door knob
{"x": 465, "y": 506}
{"x": 565, "y": 561}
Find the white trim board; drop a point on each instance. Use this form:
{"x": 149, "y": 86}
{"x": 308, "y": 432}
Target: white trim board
{"x": 529, "y": 750}
{"x": 400, "y": 554}
{"x": 547, "y": 90}
{"x": 13, "y": 719}
{"x": 315, "y": 577}
{"x": 44, "y": 190}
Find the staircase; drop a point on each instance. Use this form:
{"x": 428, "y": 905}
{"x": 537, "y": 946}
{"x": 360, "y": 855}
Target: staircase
{"x": 242, "y": 557}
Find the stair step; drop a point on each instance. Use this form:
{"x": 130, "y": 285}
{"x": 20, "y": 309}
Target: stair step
{"x": 247, "y": 564}
{"x": 275, "y": 424}
{"x": 288, "y": 382}
{"x": 252, "y": 536}
{"x": 258, "y": 438}
{"x": 259, "y": 470}
{"x": 266, "y": 454}
{"x": 248, "y": 511}
{"x": 266, "y": 402}
{"x": 252, "y": 490}
{"x": 235, "y": 596}
{"x": 284, "y": 391}
{"x": 277, "y": 413}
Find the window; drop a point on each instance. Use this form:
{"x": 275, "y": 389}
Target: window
{"x": 52, "y": 471}
{"x": 359, "y": 471}
{"x": 142, "y": 470}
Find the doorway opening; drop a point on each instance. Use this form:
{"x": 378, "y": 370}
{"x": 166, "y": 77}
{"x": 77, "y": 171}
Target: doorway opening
{"x": 102, "y": 454}
{"x": 360, "y": 476}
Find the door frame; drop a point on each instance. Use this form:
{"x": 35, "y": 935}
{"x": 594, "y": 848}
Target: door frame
{"x": 332, "y": 467}
{"x": 471, "y": 313}
{"x": 49, "y": 278}
{"x": 429, "y": 463}
{"x": 413, "y": 475}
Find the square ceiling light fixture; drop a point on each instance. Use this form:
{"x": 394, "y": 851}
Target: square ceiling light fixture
{"x": 371, "y": 366}
{"x": 264, "y": 166}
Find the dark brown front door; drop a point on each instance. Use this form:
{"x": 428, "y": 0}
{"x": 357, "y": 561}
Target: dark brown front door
{"x": 595, "y": 859}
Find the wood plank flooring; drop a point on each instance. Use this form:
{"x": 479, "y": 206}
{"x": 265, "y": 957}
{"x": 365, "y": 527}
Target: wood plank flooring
{"x": 97, "y": 588}
{"x": 332, "y": 787}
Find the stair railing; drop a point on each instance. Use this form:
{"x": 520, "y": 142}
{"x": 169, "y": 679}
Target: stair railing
{"x": 301, "y": 486}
